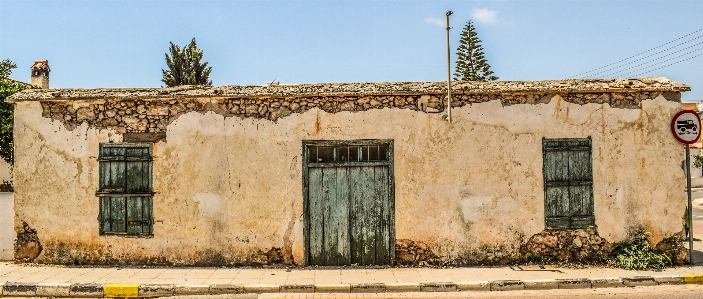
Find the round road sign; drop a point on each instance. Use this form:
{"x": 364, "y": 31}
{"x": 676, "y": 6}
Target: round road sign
{"x": 686, "y": 126}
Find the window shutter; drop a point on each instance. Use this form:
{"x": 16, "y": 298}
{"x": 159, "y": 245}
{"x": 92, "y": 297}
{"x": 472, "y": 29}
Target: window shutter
{"x": 139, "y": 214}
{"x": 138, "y": 170}
{"x": 118, "y": 214}
{"x": 125, "y": 188}
{"x": 112, "y": 169}
{"x": 105, "y": 216}
{"x": 556, "y": 185}
{"x": 581, "y": 183}
{"x": 568, "y": 183}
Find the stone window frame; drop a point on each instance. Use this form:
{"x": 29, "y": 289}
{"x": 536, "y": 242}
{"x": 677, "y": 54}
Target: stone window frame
{"x": 125, "y": 208}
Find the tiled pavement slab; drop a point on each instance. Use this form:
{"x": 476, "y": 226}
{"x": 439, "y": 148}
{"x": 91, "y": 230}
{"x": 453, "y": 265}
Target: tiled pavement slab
{"x": 21, "y": 280}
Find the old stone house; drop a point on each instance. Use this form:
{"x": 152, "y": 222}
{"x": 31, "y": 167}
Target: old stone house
{"x": 346, "y": 173}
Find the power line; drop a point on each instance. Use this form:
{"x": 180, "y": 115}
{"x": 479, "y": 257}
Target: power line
{"x": 653, "y": 60}
{"x": 682, "y": 55}
{"x": 666, "y": 65}
{"x": 657, "y": 47}
{"x": 662, "y": 51}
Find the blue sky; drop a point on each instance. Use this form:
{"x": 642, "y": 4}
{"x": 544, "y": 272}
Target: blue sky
{"x": 122, "y": 43}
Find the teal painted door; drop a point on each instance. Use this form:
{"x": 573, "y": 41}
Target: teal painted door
{"x": 350, "y": 205}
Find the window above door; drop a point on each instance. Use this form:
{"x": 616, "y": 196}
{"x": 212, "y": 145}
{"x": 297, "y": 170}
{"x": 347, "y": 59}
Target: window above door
{"x": 348, "y": 151}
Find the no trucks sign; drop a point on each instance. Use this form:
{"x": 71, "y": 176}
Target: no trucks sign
{"x": 686, "y": 126}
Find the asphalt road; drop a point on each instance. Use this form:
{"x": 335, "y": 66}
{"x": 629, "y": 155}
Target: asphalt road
{"x": 697, "y": 193}
{"x": 698, "y": 216}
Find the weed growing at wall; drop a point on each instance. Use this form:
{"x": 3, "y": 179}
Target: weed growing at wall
{"x": 638, "y": 254}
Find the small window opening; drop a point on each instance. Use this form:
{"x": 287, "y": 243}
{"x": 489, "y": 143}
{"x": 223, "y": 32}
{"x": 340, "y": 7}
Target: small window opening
{"x": 346, "y": 153}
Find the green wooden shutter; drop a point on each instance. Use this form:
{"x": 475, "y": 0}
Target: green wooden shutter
{"x": 125, "y": 188}
{"x": 112, "y": 169}
{"x": 580, "y": 183}
{"x": 138, "y": 170}
{"x": 105, "y": 214}
{"x": 139, "y": 214}
{"x": 568, "y": 183}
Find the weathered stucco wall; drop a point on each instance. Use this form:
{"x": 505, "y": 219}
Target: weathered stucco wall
{"x": 7, "y": 233}
{"x": 229, "y": 187}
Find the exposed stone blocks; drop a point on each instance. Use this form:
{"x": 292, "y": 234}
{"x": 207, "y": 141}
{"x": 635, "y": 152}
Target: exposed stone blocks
{"x": 577, "y": 245}
{"x": 154, "y": 115}
{"x": 27, "y": 245}
{"x": 408, "y": 252}
{"x": 550, "y": 246}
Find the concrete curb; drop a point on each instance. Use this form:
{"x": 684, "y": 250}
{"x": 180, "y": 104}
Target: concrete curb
{"x": 117, "y": 290}
{"x": 541, "y": 284}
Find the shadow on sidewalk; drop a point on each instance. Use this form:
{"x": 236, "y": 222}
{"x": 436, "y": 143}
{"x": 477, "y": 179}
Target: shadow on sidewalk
{"x": 697, "y": 248}
{"x": 697, "y": 256}
{"x": 541, "y": 268}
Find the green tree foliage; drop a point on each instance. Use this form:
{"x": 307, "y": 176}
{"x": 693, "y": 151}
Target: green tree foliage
{"x": 471, "y": 64}
{"x": 185, "y": 67}
{"x": 7, "y": 88}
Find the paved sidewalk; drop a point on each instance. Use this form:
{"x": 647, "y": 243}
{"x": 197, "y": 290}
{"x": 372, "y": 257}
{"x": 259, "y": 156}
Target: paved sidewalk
{"x": 29, "y": 280}
{"x": 62, "y": 281}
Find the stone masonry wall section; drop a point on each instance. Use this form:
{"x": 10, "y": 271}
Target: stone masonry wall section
{"x": 152, "y": 109}
{"x": 154, "y": 115}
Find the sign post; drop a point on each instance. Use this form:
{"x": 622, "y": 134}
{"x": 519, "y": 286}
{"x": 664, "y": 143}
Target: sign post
{"x": 686, "y": 127}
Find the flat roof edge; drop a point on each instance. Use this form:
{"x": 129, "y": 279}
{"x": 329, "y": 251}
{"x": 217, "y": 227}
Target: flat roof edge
{"x": 648, "y": 84}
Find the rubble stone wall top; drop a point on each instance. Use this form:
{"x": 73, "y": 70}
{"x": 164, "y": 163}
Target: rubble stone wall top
{"x": 648, "y": 84}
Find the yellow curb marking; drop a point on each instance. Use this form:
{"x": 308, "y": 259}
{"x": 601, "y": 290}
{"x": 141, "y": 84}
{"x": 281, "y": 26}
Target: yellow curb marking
{"x": 693, "y": 278}
{"x": 121, "y": 290}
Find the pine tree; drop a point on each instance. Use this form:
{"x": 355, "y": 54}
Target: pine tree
{"x": 471, "y": 64}
{"x": 185, "y": 67}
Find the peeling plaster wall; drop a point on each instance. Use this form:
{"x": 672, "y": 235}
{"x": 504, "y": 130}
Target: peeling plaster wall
{"x": 7, "y": 234}
{"x": 229, "y": 189}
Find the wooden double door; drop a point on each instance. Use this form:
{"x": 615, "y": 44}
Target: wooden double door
{"x": 349, "y": 202}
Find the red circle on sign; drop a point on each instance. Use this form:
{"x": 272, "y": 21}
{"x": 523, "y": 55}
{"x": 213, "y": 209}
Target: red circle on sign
{"x": 683, "y": 124}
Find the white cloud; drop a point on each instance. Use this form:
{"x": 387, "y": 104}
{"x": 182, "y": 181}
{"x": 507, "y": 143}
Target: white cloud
{"x": 438, "y": 22}
{"x": 485, "y": 15}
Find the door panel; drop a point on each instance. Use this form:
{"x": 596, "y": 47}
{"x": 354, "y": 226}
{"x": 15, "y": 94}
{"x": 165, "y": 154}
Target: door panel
{"x": 349, "y": 208}
{"x": 383, "y": 234}
{"x": 339, "y": 217}
{"x": 315, "y": 215}
{"x": 367, "y": 217}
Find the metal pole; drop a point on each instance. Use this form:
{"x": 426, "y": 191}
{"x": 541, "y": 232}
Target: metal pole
{"x": 449, "y": 78}
{"x": 690, "y": 205}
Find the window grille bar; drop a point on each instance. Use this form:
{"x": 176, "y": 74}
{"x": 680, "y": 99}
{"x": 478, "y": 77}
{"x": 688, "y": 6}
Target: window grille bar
{"x": 101, "y": 194}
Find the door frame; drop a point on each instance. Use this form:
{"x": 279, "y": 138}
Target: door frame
{"x": 391, "y": 189}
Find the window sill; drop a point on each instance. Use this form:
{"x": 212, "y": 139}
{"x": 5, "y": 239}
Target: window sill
{"x": 124, "y": 194}
{"x": 127, "y": 235}
{"x": 574, "y": 227}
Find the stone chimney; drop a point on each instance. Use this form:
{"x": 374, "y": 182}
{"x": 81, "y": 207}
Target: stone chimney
{"x": 40, "y": 73}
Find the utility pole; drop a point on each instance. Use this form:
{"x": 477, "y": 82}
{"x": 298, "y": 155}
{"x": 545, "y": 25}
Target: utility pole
{"x": 449, "y": 78}
{"x": 690, "y": 205}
